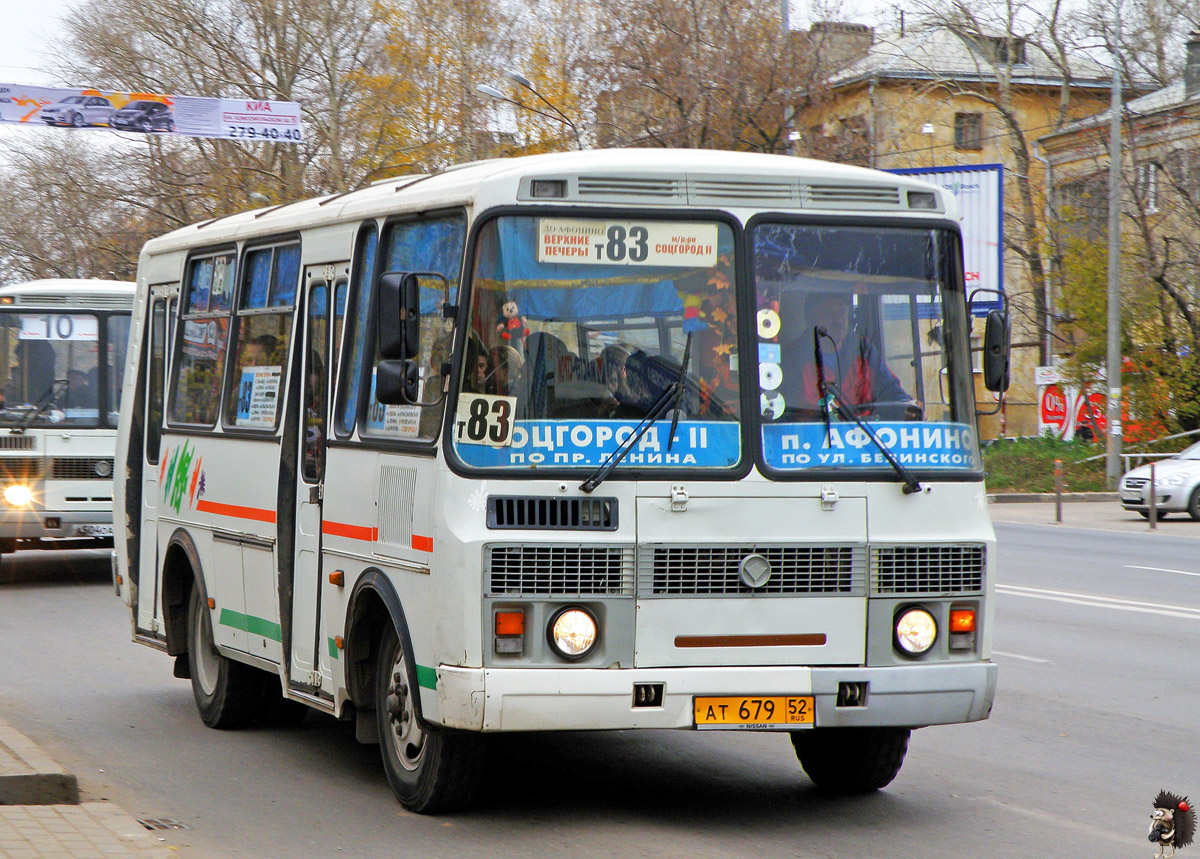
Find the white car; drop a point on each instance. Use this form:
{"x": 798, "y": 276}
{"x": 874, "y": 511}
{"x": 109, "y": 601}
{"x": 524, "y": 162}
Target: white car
{"x": 78, "y": 111}
{"x": 1177, "y": 485}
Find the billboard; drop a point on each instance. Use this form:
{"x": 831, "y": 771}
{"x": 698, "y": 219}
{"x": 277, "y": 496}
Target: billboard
{"x": 979, "y": 191}
{"x": 152, "y": 113}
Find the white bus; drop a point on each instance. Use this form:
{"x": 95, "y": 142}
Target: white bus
{"x": 62, "y": 359}
{"x": 527, "y": 445}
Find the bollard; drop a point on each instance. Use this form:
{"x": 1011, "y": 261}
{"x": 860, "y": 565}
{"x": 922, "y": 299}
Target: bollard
{"x": 1058, "y": 483}
{"x": 1153, "y": 501}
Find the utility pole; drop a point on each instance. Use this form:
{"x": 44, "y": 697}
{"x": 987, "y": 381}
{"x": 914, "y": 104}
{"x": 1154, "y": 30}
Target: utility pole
{"x": 789, "y": 110}
{"x": 1112, "y": 459}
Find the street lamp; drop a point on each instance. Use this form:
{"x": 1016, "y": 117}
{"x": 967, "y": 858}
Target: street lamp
{"x": 517, "y": 78}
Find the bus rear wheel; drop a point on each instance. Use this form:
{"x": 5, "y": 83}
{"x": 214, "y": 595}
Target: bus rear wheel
{"x": 228, "y": 693}
{"x": 430, "y": 771}
{"x": 851, "y": 760}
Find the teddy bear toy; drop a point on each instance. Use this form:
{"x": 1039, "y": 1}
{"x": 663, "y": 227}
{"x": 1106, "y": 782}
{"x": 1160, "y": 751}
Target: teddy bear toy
{"x": 511, "y": 327}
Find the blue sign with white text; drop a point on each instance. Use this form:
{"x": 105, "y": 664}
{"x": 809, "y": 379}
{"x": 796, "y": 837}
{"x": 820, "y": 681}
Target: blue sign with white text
{"x": 934, "y": 445}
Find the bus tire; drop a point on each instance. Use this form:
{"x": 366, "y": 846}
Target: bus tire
{"x": 851, "y": 760}
{"x": 430, "y": 771}
{"x": 228, "y": 693}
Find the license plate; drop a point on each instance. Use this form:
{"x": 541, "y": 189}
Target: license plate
{"x": 94, "y": 530}
{"x": 1131, "y": 496}
{"x": 765, "y": 711}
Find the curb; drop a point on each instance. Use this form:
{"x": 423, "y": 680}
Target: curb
{"x": 29, "y": 777}
{"x": 1028, "y": 497}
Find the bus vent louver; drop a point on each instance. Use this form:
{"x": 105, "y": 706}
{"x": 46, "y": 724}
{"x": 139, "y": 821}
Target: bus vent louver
{"x": 714, "y": 570}
{"x": 21, "y": 467}
{"x": 92, "y": 302}
{"x": 750, "y": 191}
{"x": 542, "y": 513}
{"x": 16, "y": 442}
{"x": 558, "y": 570}
{"x": 946, "y": 569}
{"x": 81, "y": 468}
{"x": 851, "y": 196}
{"x": 664, "y": 189}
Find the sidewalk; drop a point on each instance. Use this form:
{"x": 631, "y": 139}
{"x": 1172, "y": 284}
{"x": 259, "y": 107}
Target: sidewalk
{"x": 1092, "y": 510}
{"x": 41, "y": 816}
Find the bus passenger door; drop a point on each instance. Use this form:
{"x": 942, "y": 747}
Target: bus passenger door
{"x": 326, "y": 294}
{"x": 162, "y": 304}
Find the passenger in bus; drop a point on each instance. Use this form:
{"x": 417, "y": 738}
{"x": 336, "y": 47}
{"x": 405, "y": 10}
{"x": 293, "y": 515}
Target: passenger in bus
{"x": 81, "y": 392}
{"x": 507, "y": 365}
{"x": 625, "y": 400}
{"x": 33, "y": 375}
{"x": 850, "y": 360}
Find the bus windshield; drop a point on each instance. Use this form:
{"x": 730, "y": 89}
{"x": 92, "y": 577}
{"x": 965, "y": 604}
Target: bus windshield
{"x": 857, "y": 322}
{"x": 50, "y": 368}
{"x": 580, "y": 326}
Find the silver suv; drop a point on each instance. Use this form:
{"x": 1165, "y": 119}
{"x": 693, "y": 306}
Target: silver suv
{"x": 78, "y": 111}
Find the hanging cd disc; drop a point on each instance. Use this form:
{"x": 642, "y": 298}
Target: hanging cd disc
{"x": 771, "y": 405}
{"x": 768, "y": 324}
{"x": 769, "y": 376}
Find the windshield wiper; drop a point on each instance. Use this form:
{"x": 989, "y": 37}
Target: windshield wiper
{"x": 830, "y": 391}
{"x": 46, "y": 399}
{"x": 668, "y": 398}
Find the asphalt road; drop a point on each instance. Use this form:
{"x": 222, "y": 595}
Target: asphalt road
{"x": 1097, "y": 637}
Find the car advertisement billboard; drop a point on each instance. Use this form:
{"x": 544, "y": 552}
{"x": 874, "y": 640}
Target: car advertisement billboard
{"x": 152, "y": 113}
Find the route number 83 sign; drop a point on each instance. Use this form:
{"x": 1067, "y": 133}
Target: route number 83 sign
{"x": 484, "y": 419}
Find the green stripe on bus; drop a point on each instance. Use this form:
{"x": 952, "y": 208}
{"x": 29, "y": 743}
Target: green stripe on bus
{"x": 333, "y": 649}
{"x": 251, "y": 624}
{"x": 426, "y": 677}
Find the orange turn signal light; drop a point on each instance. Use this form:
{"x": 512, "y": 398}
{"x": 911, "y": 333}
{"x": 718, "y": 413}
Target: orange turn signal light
{"x": 337, "y": 577}
{"x": 962, "y": 620}
{"x": 338, "y": 642}
{"x": 510, "y": 623}
{"x": 212, "y": 603}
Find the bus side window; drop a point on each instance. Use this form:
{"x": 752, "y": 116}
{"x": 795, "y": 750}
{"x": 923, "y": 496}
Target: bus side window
{"x": 261, "y": 332}
{"x": 203, "y": 332}
{"x": 432, "y": 244}
{"x": 351, "y": 370}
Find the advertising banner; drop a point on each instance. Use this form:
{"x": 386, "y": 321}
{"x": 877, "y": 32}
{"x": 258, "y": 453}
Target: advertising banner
{"x": 152, "y": 113}
{"x": 980, "y": 195}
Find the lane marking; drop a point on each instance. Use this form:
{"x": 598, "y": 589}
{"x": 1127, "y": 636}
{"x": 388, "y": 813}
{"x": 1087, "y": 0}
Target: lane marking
{"x": 1095, "y": 601}
{"x": 1019, "y": 656}
{"x": 1160, "y": 570}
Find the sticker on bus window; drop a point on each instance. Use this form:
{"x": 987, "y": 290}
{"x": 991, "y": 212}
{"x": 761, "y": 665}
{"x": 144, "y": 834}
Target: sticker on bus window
{"x": 657, "y": 243}
{"x": 59, "y": 326}
{"x": 484, "y": 419}
{"x": 258, "y": 397}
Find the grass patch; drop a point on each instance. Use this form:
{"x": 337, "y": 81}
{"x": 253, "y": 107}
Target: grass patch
{"x": 1027, "y": 464}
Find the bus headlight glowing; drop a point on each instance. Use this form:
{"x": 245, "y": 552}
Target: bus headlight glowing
{"x": 18, "y": 495}
{"x": 573, "y": 633}
{"x": 916, "y": 630}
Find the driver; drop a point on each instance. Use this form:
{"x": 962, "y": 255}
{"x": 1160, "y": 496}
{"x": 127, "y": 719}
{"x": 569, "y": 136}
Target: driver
{"x": 849, "y": 360}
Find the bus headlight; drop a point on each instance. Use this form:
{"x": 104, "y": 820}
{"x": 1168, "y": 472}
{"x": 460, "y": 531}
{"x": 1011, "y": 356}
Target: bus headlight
{"x": 18, "y": 495}
{"x": 573, "y": 633}
{"x": 916, "y": 630}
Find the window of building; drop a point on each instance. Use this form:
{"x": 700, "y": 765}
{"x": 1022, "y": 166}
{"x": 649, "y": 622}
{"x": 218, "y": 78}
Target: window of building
{"x": 968, "y": 130}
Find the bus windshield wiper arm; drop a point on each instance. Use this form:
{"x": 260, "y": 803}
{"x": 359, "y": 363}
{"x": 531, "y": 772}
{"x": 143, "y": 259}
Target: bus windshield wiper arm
{"x": 668, "y": 398}
{"x": 910, "y": 483}
{"x": 48, "y": 397}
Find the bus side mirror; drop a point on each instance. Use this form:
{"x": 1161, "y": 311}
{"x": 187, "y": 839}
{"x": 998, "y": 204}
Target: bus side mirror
{"x": 399, "y": 316}
{"x": 397, "y": 381}
{"x": 995, "y": 352}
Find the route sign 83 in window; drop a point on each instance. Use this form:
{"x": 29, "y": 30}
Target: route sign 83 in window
{"x": 485, "y": 419}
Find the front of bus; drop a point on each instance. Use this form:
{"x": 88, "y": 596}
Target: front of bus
{"x": 59, "y": 343}
{"x": 720, "y": 467}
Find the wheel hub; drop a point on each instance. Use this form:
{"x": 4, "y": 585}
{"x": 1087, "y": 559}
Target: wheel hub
{"x": 406, "y": 733}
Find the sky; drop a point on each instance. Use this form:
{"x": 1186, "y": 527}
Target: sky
{"x": 28, "y": 33}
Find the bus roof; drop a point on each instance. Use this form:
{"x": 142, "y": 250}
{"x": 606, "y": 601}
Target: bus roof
{"x": 643, "y": 177}
{"x": 70, "y": 292}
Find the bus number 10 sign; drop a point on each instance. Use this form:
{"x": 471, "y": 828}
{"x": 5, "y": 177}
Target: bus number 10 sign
{"x": 59, "y": 326}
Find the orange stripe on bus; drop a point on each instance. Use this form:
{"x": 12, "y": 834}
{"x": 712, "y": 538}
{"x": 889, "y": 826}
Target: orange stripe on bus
{"x": 354, "y": 532}
{"x": 422, "y": 544}
{"x": 236, "y": 511}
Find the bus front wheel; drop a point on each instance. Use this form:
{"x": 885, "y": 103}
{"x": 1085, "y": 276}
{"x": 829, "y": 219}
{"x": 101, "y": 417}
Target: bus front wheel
{"x": 227, "y": 693}
{"x": 430, "y": 771}
{"x": 851, "y": 760}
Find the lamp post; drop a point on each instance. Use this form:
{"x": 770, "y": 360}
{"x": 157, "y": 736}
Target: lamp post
{"x": 1112, "y": 459}
{"x": 520, "y": 79}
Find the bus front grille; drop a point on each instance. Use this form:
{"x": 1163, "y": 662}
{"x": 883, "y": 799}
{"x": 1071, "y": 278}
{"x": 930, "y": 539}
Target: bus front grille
{"x": 81, "y": 468}
{"x": 716, "y": 570}
{"x": 950, "y": 569}
{"x": 16, "y": 442}
{"x": 21, "y": 467}
{"x": 534, "y": 512}
{"x": 558, "y": 570}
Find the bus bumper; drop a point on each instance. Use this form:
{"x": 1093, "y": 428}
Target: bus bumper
{"x": 524, "y": 699}
{"x": 55, "y": 524}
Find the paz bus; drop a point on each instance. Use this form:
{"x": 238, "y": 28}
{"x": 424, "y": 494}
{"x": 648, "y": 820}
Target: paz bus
{"x": 524, "y": 445}
{"x": 62, "y": 359}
